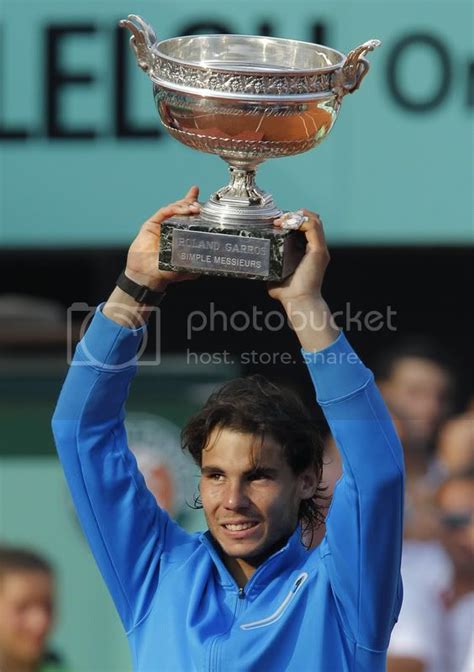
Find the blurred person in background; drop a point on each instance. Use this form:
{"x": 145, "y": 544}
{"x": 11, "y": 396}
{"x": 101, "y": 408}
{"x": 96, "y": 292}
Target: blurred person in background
{"x": 417, "y": 384}
{"x": 169, "y": 473}
{"x": 455, "y": 449}
{"x": 26, "y": 612}
{"x": 435, "y": 630}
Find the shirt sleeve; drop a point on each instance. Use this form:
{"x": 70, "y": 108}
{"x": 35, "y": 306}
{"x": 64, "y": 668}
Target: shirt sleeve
{"x": 364, "y": 525}
{"x": 125, "y": 528}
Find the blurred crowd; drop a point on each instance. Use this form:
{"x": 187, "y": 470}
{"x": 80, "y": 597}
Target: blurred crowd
{"x": 435, "y": 630}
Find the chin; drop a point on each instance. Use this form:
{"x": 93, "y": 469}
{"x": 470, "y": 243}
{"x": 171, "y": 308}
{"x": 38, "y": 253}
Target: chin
{"x": 31, "y": 656}
{"x": 240, "y": 548}
{"x": 243, "y": 551}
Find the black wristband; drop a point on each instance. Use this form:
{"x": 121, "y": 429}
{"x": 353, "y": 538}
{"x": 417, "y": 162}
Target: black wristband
{"x": 140, "y": 293}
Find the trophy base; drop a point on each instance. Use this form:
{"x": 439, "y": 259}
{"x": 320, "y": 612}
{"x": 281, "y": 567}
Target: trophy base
{"x": 258, "y": 252}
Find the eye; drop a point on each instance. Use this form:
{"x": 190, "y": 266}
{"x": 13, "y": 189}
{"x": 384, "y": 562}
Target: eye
{"x": 216, "y": 477}
{"x": 259, "y": 475}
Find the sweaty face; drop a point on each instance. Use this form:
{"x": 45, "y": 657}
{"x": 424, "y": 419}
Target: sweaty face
{"x": 418, "y": 394}
{"x": 26, "y": 615}
{"x": 250, "y": 496}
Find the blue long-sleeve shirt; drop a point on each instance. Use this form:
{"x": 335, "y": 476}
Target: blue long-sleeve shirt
{"x": 327, "y": 610}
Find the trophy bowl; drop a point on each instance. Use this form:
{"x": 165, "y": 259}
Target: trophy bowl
{"x": 247, "y": 99}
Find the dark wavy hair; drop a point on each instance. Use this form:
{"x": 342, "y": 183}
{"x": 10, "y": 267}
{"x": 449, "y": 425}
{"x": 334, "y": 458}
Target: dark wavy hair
{"x": 16, "y": 559}
{"x": 256, "y": 406}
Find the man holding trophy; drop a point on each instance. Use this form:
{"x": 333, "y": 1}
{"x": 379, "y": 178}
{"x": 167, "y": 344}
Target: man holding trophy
{"x": 247, "y": 594}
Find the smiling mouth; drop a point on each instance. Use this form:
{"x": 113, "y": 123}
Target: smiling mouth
{"x": 239, "y": 527}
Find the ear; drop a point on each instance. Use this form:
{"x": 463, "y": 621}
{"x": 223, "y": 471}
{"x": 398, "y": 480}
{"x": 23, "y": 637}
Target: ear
{"x": 308, "y": 482}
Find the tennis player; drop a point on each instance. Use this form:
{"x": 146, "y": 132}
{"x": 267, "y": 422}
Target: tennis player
{"x": 246, "y": 595}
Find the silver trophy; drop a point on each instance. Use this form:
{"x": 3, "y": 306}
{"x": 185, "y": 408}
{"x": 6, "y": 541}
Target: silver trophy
{"x": 246, "y": 99}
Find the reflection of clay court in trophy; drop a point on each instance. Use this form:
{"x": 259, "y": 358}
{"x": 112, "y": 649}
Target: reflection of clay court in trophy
{"x": 246, "y": 99}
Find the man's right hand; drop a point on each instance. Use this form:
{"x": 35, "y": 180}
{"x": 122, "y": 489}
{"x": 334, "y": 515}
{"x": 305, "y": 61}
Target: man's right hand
{"x": 142, "y": 259}
{"x": 142, "y": 264}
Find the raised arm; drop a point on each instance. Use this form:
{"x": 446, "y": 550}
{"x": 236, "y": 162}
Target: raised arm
{"x": 125, "y": 528}
{"x": 362, "y": 547}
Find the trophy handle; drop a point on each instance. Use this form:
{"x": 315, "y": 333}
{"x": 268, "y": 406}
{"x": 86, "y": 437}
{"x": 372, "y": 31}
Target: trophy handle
{"x": 142, "y": 40}
{"x": 355, "y": 68}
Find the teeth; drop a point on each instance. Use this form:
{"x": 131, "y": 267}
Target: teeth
{"x": 239, "y": 527}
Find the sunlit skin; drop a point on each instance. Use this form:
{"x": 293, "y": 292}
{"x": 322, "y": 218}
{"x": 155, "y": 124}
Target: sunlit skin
{"x": 26, "y": 618}
{"x": 245, "y": 480}
{"x": 418, "y": 393}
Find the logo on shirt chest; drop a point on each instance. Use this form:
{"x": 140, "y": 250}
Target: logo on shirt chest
{"x": 278, "y": 613}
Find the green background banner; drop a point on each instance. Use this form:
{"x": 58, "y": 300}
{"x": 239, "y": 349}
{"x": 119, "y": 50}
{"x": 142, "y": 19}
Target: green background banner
{"x": 396, "y": 169}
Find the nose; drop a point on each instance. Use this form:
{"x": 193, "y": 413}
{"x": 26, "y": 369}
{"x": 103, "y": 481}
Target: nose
{"x": 235, "y": 497}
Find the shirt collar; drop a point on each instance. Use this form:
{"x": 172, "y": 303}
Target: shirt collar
{"x": 286, "y": 557}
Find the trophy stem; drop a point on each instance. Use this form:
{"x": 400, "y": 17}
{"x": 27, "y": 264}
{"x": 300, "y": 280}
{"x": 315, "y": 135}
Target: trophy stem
{"x": 242, "y": 188}
{"x": 241, "y": 200}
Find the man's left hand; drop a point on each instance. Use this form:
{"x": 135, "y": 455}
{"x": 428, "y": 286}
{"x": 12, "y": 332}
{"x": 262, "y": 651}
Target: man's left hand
{"x": 306, "y": 281}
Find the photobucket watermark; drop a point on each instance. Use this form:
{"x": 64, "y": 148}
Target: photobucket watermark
{"x": 267, "y": 358}
{"x": 253, "y": 357}
{"x": 146, "y": 332}
{"x": 348, "y": 319}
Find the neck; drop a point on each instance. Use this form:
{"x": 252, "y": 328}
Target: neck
{"x": 242, "y": 569}
{"x": 8, "y": 664}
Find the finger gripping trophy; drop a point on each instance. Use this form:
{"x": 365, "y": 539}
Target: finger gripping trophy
{"x": 246, "y": 99}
